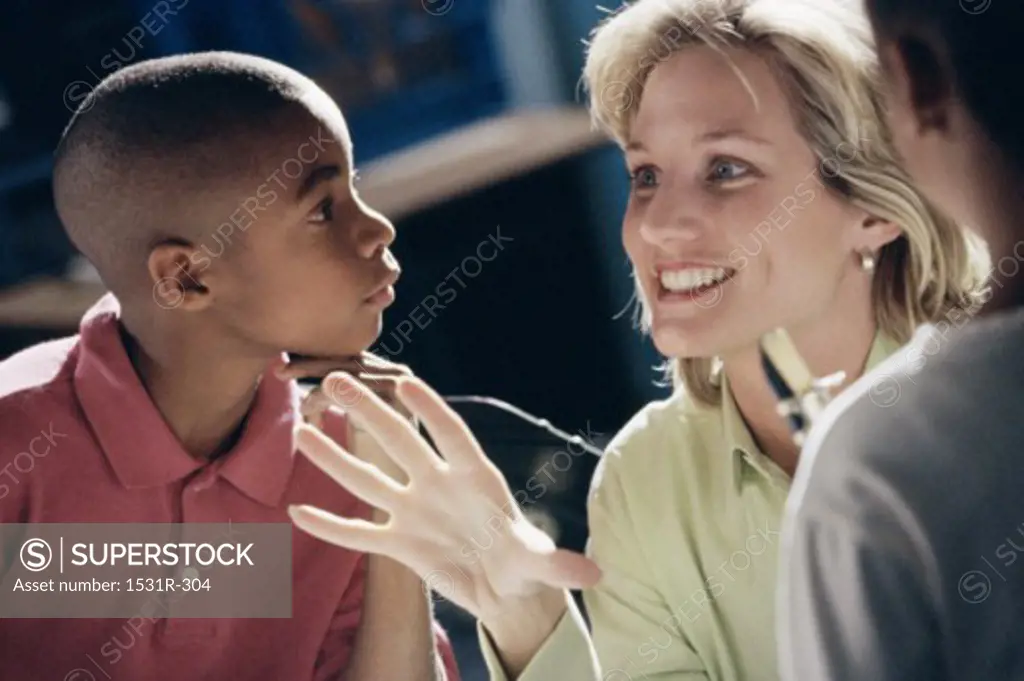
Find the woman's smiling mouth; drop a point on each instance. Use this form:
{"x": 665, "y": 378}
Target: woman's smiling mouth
{"x": 691, "y": 282}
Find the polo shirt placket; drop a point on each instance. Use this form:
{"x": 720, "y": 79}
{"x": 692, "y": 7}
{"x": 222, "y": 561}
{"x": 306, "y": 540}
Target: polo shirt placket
{"x": 197, "y": 495}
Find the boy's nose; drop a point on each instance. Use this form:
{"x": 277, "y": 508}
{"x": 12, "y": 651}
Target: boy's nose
{"x": 375, "y": 234}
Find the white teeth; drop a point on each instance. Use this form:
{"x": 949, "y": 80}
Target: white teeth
{"x": 691, "y": 278}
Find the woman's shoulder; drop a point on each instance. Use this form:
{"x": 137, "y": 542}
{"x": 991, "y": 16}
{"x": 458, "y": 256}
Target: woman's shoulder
{"x": 666, "y": 439}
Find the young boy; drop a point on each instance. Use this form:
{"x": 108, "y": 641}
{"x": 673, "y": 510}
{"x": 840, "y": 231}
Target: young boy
{"x": 214, "y": 194}
{"x": 906, "y": 526}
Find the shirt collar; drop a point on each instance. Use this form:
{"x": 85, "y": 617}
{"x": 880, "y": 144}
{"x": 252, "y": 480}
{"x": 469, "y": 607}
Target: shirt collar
{"x": 141, "y": 448}
{"x": 260, "y": 465}
{"x": 738, "y": 439}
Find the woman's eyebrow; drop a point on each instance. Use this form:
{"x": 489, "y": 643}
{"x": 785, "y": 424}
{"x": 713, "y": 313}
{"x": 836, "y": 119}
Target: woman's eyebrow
{"x": 715, "y": 135}
{"x": 726, "y": 133}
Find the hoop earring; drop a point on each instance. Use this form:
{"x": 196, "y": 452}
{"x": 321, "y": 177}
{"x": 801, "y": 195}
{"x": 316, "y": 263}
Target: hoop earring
{"x": 867, "y": 260}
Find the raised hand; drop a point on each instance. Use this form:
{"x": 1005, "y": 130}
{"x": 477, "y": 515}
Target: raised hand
{"x": 454, "y": 521}
{"x": 378, "y": 374}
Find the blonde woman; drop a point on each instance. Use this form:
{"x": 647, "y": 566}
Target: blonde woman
{"x": 765, "y": 193}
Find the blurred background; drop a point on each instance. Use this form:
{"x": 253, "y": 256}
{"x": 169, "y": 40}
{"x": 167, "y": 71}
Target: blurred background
{"x": 470, "y": 135}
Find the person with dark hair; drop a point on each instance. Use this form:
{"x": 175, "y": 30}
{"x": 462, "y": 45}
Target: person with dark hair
{"x": 214, "y": 194}
{"x": 906, "y": 524}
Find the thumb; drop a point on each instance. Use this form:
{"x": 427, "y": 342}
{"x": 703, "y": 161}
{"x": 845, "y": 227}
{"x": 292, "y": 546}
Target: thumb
{"x": 566, "y": 569}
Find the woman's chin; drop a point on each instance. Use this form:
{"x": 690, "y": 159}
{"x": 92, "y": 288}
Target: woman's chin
{"x": 689, "y": 343}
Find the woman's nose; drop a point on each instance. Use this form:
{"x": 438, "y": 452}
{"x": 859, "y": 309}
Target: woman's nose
{"x": 672, "y": 216}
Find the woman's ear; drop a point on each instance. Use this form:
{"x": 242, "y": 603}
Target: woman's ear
{"x": 177, "y": 277}
{"x": 876, "y": 233}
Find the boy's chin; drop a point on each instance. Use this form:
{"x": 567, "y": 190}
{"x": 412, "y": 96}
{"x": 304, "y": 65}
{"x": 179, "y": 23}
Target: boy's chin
{"x": 356, "y": 337}
{"x": 350, "y": 346}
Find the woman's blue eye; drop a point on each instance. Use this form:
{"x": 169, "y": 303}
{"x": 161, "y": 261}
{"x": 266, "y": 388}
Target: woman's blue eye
{"x": 644, "y": 178}
{"x": 723, "y": 170}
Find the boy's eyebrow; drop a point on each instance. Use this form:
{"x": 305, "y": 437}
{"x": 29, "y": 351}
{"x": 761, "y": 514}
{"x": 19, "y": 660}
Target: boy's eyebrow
{"x": 318, "y": 177}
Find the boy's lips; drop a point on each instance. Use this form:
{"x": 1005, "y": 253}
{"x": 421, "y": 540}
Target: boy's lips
{"x": 384, "y": 293}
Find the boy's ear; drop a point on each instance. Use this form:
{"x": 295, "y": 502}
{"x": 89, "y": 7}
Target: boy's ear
{"x": 176, "y": 271}
{"x": 922, "y": 78}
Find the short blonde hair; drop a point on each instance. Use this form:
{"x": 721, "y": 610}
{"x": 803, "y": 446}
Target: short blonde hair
{"x": 823, "y": 54}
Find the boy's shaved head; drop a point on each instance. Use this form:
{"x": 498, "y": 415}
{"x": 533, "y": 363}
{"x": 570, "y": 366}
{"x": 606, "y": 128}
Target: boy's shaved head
{"x": 160, "y": 151}
{"x": 214, "y": 193}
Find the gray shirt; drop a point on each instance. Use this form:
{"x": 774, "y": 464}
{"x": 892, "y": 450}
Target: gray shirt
{"x": 904, "y": 535}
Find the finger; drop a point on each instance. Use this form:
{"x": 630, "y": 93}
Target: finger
{"x": 341, "y": 395}
{"x": 449, "y": 432}
{"x": 355, "y": 364}
{"x": 564, "y": 569}
{"x": 362, "y": 445}
{"x": 554, "y": 566}
{"x": 395, "y": 433}
{"x": 313, "y": 406}
{"x": 351, "y": 533}
{"x": 314, "y": 418}
{"x": 373, "y": 362}
{"x": 360, "y": 369}
{"x": 314, "y": 368}
{"x": 345, "y": 395}
{"x": 384, "y": 386}
{"x": 278, "y": 363}
{"x": 360, "y": 478}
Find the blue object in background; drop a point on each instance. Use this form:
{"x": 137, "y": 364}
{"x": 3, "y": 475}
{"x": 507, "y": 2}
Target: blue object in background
{"x": 448, "y": 74}
{"x": 402, "y": 70}
{"x": 264, "y": 27}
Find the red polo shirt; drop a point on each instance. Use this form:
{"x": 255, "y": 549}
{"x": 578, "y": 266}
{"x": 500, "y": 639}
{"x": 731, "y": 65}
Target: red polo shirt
{"x": 81, "y": 441}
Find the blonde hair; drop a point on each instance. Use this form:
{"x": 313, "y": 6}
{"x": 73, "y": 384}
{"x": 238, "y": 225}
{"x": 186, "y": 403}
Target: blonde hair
{"x": 822, "y": 53}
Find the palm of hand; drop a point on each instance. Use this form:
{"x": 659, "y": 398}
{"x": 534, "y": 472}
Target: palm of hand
{"x": 450, "y": 518}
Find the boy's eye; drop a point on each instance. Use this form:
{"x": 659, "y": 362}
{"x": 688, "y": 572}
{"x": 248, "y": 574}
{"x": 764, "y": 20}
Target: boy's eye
{"x": 323, "y": 212}
{"x": 723, "y": 170}
{"x": 643, "y": 178}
